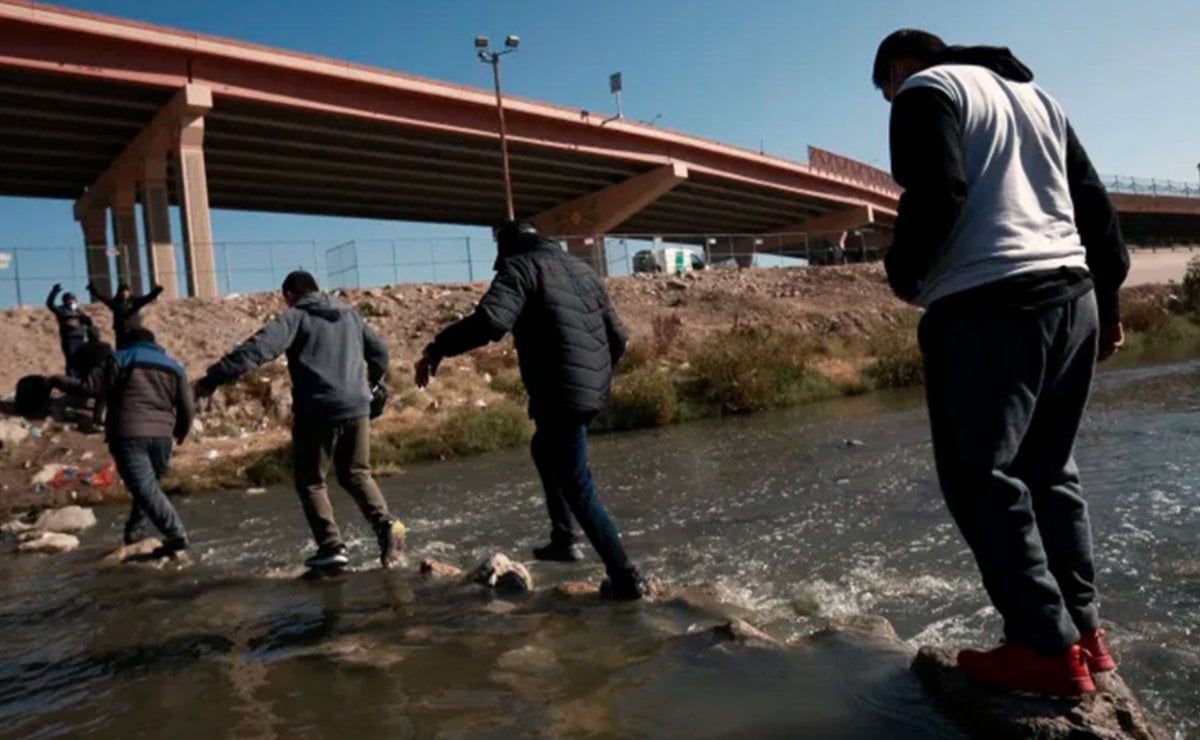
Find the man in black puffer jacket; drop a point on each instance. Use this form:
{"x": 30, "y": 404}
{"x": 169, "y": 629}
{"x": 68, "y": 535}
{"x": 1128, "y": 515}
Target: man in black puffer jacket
{"x": 568, "y": 340}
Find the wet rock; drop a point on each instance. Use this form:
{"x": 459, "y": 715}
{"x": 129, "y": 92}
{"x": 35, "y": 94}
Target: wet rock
{"x": 1111, "y": 713}
{"x": 527, "y": 659}
{"x": 868, "y": 625}
{"x": 69, "y": 519}
{"x": 744, "y": 633}
{"x": 138, "y": 550}
{"x": 15, "y": 526}
{"x": 577, "y": 589}
{"x": 433, "y": 569}
{"x": 48, "y": 543}
{"x": 501, "y": 573}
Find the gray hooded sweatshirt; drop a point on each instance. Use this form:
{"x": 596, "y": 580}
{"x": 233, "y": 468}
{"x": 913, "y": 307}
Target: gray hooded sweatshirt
{"x": 327, "y": 345}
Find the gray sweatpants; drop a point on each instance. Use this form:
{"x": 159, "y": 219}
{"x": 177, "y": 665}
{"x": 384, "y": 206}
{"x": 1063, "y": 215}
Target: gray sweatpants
{"x": 1007, "y": 389}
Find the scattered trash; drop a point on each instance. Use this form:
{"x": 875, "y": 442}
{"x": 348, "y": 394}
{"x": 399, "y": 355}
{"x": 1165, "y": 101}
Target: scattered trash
{"x": 211, "y": 455}
{"x": 255, "y": 491}
{"x": 854, "y": 443}
{"x": 106, "y": 477}
{"x": 46, "y": 474}
{"x": 481, "y": 404}
{"x": 843, "y": 481}
{"x": 35, "y": 432}
{"x": 87, "y": 456}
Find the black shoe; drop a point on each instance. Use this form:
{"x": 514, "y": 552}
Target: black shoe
{"x": 559, "y": 553}
{"x": 391, "y": 543}
{"x": 628, "y": 585}
{"x": 329, "y": 556}
{"x": 174, "y": 549}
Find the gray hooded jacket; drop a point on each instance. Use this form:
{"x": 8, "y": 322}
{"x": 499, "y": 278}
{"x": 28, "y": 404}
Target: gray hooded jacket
{"x": 327, "y": 344}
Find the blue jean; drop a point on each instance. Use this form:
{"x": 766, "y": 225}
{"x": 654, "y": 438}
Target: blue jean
{"x": 560, "y": 453}
{"x": 141, "y": 462}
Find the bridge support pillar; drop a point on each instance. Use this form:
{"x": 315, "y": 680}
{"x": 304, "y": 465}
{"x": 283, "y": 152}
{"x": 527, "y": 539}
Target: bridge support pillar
{"x": 95, "y": 244}
{"x": 584, "y": 220}
{"x": 125, "y": 236}
{"x": 192, "y": 187}
{"x": 156, "y": 223}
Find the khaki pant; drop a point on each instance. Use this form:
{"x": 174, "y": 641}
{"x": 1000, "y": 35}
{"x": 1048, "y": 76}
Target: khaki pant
{"x": 346, "y": 445}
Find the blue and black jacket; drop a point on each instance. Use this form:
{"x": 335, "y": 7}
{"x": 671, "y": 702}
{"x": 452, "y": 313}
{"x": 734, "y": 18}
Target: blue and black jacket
{"x": 147, "y": 391}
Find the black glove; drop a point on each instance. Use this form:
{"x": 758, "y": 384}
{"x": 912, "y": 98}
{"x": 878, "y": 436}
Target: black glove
{"x": 379, "y": 399}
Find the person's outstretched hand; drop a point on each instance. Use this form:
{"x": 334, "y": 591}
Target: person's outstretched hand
{"x": 58, "y": 287}
{"x": 427, "y": 368}
{"x": 1112, "y": 338}
{"x": 202, "y": 392}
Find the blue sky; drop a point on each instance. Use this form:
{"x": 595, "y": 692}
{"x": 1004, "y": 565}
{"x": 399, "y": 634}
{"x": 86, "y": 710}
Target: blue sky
{"x": 782, "y": 74}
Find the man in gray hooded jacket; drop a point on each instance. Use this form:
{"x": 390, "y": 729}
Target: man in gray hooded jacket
{"x": 327, "y": 345}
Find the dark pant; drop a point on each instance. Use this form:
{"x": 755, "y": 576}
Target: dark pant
{"x": 559, "y": 450}
{"x": 141, "y": 462}
{"x": 347, "y": 446}
{"x": 1007, "y": 389}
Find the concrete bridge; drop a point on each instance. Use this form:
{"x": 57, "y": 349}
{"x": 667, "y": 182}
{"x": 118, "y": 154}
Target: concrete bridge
{"x": 110, "y": 113}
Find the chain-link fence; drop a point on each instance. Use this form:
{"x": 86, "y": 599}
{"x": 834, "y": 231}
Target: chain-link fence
{"x": 28, "y": 273}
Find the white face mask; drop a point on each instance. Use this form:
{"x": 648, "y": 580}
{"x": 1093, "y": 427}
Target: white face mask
{"x": 72, "y": 306}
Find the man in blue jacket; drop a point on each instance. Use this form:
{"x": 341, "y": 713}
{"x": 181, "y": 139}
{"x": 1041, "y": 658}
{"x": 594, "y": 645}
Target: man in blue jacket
{"x": 334, "y": 359}
{"x": 568, "y": 340}
{"x": 149, "y": 404}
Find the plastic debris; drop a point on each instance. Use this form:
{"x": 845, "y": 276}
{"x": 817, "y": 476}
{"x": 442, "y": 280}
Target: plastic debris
{"x": 107, "y": 476}
{"x": 211, "y": 455}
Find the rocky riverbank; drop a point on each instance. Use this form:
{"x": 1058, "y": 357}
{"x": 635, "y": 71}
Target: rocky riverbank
{"x": 706, "y": 344}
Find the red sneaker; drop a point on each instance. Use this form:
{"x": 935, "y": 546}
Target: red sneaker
{"x": 1015, "y": 667}
{"x": 1099, "y": 660}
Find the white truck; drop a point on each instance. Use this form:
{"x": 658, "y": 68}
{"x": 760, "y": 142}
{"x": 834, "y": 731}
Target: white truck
{"x": 668, "y": 261}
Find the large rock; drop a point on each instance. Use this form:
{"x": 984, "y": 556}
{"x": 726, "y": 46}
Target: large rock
{"x": 501, "y": 573}
{"x": 435, "y": 570}
{"x": 69, "y": 519}
{"x": 744, "y": 633}
{"x": 1112, "y": 713}
{"x": 49, "y": 543}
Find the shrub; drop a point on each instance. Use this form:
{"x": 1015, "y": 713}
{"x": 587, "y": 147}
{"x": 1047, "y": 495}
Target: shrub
{"x": 897, "y": 357}
{"x": 466, "y": 430}
{"x": 508, "y": 383}
{"x": 665, "y": 330}
{"x": 638, "y": 354}
{"x": 1146, "y": 317}
{"x": 1189, "y": 289}
{"x": 745, "y": 370}
{"x": 643, "y": 398}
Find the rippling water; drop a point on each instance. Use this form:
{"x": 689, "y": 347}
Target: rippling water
{"x": 789, "y": 523}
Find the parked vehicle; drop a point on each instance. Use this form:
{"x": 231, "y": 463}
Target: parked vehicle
{"x": 668, "y": 261}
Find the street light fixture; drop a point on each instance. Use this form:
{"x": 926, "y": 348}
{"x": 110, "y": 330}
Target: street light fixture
{"x": 487, "y": 56}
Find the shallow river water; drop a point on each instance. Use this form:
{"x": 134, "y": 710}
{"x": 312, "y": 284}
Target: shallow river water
{"x": 789, "y": 523}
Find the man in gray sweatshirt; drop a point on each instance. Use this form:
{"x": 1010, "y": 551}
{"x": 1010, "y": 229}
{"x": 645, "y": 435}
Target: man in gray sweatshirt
{"x": 1006, "y": 236}
{"x": 334, "y": 359}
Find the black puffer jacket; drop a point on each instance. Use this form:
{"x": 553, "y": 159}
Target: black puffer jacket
{"x": 567, "y": 334}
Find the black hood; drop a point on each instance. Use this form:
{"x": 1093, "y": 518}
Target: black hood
{"x": 998, "y": 59}
{"x": 512, "y": 244}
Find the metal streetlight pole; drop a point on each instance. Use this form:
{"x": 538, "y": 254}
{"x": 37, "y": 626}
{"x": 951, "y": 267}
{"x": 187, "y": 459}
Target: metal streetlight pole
{"x": 493, "y": 57}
